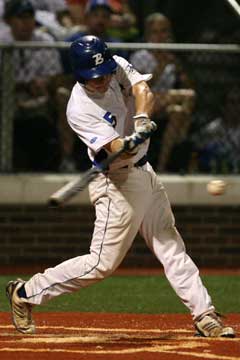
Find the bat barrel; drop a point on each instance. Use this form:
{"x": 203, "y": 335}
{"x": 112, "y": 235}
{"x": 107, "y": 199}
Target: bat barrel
{"x": 65, "y": 193}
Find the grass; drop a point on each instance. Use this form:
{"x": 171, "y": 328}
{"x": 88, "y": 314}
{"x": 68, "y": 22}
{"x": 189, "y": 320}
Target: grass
{"x": 137, "y": 294}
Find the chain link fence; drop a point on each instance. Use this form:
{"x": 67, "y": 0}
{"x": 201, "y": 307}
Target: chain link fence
{"x": 207, "y": 142}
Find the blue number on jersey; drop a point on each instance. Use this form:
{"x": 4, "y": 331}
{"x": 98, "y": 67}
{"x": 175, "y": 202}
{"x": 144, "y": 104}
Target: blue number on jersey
{"x": 110, "y": 118}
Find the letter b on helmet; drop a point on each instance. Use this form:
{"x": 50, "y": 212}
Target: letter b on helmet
{"x": 98, "y": 58}
{"x": 91, "y": 58}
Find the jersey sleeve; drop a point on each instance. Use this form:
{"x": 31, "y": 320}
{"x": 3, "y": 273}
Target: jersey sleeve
{"x": 93, "y": 132}
{"x": 126, "y": 75}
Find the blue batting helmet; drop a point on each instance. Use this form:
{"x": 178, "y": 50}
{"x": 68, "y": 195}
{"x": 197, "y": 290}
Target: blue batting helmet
{"x": 91, "y": 58}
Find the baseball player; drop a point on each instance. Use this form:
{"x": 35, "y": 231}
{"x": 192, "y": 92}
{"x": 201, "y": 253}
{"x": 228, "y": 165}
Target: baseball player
{"x": 110, "y": 104}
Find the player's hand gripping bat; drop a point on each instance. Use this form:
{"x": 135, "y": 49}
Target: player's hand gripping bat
{"x": 69, "y": 190}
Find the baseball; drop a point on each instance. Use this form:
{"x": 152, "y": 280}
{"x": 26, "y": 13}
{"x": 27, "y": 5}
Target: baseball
{"x": 216, "y": 187}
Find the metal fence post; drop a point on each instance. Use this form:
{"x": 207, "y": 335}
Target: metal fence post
{"x": 7, "y": 110}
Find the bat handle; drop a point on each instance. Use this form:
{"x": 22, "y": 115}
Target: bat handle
{"x": 53, "y": 203}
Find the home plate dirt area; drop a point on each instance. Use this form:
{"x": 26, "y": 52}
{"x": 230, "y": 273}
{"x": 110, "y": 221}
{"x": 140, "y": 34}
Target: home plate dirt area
{"x": 98, "y": 336}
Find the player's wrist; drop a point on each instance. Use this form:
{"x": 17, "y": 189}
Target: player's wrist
{"x": 140, "y": 116}
{"x": 141, "y": 122}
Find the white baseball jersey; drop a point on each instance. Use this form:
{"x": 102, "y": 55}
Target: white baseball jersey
{"x": 108, "y": 115}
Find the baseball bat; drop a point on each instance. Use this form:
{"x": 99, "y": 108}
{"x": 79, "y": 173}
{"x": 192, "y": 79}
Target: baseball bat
{"x": 234, "y": 4}
{"x": 69, "y": 190}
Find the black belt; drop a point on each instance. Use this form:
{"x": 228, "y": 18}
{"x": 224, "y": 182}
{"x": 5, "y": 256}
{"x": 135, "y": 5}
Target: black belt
{"x": 140, "y": 162}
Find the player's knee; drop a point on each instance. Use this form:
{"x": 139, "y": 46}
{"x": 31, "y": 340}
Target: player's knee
{"x": 100, "y": 265}
{"x": 97, "y": 267}
{"x": 106, "y": 267}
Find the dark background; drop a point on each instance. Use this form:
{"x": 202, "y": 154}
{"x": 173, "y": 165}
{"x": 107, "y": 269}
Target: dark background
{"x": 193, "y": 21}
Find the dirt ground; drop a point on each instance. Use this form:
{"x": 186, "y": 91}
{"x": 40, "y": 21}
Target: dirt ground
{"x": 105, "y": 336}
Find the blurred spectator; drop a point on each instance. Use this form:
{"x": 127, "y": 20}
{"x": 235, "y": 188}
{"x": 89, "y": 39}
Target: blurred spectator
{"x": 52, "y": 6}
{"x": 97, "y": 20}
{"x": 217, "y": 144}
{"x": 77, "y": 11}
{"x": 174, "y": 96}
{"x": 35, "y": 134}
{"x": 3, "y": 25}
{"x": 55, "y": 18}
{"x": 1, "y": 9}
{"x": 216, "y": 72}
{"x": 122, "y": 24}
{"x": 60, "y": 25}
{"x": 123, "y": 21}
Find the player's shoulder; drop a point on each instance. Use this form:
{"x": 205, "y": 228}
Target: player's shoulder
{"x": 77, "y": 98}
{"x": 77, "y": 92}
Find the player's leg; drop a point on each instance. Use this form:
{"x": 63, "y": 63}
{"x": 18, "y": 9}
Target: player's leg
{"x": 115, "y": 228}
{"x": 158, "y": 229}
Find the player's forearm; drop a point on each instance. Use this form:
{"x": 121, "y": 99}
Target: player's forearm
{"x": 144, "y": 102}
{"x": 144, "y": 98}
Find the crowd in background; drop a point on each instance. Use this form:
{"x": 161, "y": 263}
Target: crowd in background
{"x": 42, "y": 139}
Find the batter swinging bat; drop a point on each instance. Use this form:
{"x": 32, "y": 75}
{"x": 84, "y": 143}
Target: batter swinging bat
{"x": 69, "y": 190}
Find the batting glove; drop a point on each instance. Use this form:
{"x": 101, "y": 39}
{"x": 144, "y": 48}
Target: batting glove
{"x": 131, "y": 143}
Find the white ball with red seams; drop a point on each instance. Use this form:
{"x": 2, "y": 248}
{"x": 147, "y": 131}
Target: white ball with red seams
{"x": 216, "y": 187}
